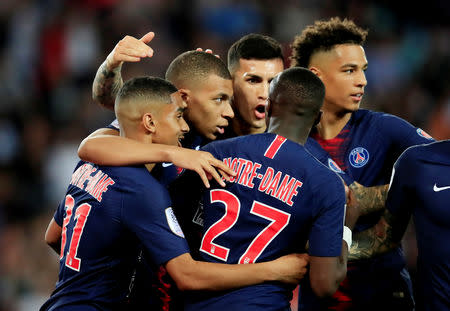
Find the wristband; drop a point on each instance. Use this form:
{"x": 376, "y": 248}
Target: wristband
{"x": 347, "y": 237}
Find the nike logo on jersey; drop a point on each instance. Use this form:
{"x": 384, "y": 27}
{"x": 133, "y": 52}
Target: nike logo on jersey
{"x": 437, "y": 189}
{"x": 164, "y": 164}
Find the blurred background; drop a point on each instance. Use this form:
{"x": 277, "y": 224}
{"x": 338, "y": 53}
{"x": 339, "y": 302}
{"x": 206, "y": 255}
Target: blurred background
{"x": 50, "y": 51}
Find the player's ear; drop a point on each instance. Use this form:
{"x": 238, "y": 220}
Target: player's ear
{"x": 185, "y": 95}
{"x": 319, "y": 116}
{"x": 315, "y": 71}
{"x": 149, "y": 122}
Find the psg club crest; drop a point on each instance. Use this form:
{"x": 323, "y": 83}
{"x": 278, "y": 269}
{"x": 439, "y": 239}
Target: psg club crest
{"x": 358, "y": 157}
{"x": 333, "y": 166}
{"x": 424, "y": 134}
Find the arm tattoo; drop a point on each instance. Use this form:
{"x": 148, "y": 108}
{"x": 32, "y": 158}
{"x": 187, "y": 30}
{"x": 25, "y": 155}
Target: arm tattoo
{"x": 369, "y": 199}
{"x": 107, "y": 84}
{"x": 378, "y": 239}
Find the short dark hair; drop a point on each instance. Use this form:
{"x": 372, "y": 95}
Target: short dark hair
{"x": 148, "y": 88}
{"x": 323, "y": 36}
{"x": 254, "y": 46}
{"x": 195, "y": 65}
{"x": 302, "y": 86}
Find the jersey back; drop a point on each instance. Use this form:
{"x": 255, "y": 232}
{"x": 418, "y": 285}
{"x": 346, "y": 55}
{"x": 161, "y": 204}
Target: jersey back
{"x": 280, "y": 198}
{"x": 421, "y": 186}
{"x": 107, "y": 216}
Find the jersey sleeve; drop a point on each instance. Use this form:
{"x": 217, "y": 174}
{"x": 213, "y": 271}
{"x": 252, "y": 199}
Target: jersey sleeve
{"x": 398, "y": 199}
{"x": 148, "y": 214}
{"x": 59, "y": 213}
{"x": 401, "y": 133}
{"x": 325, "y": 238}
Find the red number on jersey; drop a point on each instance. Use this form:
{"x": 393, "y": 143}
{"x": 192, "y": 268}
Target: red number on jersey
{"x": 232, "y": 206}
{"x": 81, "y": 215}
{"x": 69, "y": 206}
{"x": 279, "y": 221}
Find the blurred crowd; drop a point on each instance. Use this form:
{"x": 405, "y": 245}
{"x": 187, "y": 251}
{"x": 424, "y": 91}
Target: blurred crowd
{"x": 50, "y": 51}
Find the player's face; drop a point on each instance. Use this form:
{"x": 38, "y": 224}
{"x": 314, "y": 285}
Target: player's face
{"x": 209, "y": 108}
{"x": 342, "y": 70}
{"x": 170, "y": 124}
{"x": 251, "y": 89}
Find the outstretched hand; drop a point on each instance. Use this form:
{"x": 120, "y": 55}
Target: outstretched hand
{"x": 204, "y": 164}
{"x": 290, "y": 268}
{"x": 130, "y": 49}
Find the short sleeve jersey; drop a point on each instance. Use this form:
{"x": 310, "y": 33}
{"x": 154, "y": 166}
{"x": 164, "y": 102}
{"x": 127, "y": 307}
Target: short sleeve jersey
{"x": 421, "y": 186}
{"x": 281, "y": 198}
{"x": 107, "y": 213}
{"x": 367, "y": 148}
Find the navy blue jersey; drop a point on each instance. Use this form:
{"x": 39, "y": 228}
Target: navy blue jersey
{"x": 107, "y": 214}
{"x": 371, "y": 144}
{"x": 281, "y": 198}
{"x": 421, "y": 186}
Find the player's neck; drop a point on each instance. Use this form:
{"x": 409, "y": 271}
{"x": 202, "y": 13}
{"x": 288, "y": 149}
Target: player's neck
{"x": 149, "y": 166}
{"x": 331, "y": 124}
{"x": 241, "y": 128}
{"x": 298, "y": 133}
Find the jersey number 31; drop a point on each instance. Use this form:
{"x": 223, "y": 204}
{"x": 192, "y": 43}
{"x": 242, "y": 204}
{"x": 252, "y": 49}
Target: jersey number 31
{"x": 80, "y": 217}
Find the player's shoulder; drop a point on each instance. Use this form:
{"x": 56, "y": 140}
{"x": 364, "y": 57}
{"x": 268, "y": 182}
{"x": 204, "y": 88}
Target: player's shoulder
{"x": 436, "y": 151}
{"x": 245, "y": 141}
{"x": 133, "y": 175}
{"x": 365, "y": 115}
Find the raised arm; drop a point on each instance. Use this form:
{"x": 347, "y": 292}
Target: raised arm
{"x": 105, "y": 147}
{"x": 108, "y": 79}
{"x": 189, "y": 274}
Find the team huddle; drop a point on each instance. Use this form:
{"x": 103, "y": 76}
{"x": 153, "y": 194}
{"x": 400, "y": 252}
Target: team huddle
{"x": 224, "y": 186}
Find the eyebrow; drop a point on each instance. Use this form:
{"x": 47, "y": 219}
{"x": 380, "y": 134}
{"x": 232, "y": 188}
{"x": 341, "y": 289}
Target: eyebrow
{"x": 253, "y": 75}
{"x": 354, "y": 66}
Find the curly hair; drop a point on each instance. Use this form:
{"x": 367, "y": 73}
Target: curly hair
{"x": 323, "y": 36}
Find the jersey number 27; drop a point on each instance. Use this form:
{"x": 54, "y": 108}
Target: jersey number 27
{"x": 278, "y": 221}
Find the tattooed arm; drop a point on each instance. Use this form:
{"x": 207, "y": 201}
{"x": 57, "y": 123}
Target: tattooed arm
{"x": 368, "y": 199}
{"x": 107, "y": 84}
{"x": 108, "y": 79}
{"x": 381, "y": 238}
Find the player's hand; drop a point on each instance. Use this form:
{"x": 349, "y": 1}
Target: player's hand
{"x": 204, "y": 164}
{"x": 208, "y": 51}
{"x": 290, "y": 268}
{"x": 130, "y": 49}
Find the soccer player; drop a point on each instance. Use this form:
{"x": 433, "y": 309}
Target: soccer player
{"x": 362, "y": 146}
{"x": 108, "y": 211}
{"x": 205, "y": 84}
{"x": 420, "y": 186}
{"x": 280, "y": 198}
{"x": 253, "y": 61}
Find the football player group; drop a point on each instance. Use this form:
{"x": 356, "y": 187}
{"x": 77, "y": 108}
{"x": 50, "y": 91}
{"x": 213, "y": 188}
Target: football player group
{"x": 224, "y": 186}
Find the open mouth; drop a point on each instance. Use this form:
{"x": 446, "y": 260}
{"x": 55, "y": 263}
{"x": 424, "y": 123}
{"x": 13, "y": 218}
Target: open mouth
{"x": 260, "y": 111}
{"x": 221, "y": 129}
